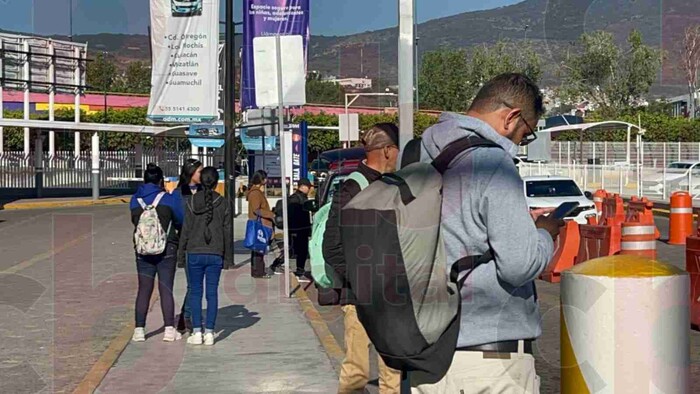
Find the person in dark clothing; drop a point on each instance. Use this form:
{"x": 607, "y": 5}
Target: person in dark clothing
{"x": 204, "y": 240}
{"x": 170, "y": 216}
{"x": 300, "y": 226}
{"x": 189, "y": 184}
{"x": 381, "y": 144}
{"x": 259, "y": 207}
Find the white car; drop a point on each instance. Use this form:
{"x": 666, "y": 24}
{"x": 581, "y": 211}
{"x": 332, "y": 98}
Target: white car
{"x": 552, "y": 191}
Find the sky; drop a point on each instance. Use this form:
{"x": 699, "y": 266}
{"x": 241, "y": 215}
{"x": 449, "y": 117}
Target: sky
{"x": 328, "y": 17}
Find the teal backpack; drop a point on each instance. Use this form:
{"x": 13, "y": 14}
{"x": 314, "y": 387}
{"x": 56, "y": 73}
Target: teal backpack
{"x": 323, "y": 274}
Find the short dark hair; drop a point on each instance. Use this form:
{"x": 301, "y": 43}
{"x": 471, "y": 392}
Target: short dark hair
{"x": 259, "y": 177}
{"x": 153, "y": 174}
{"x": 510, "y": 89}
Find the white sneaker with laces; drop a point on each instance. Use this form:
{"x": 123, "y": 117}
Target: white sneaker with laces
{"x": 209, "y": 339}
{"x": 195, "y": 339}
{"x": 139, "y": 334}
{"x": 171, "y": 335}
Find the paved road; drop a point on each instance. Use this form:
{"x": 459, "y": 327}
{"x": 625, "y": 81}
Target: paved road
{"x": 67, "y": 288}
{"x": 547, "y": 349}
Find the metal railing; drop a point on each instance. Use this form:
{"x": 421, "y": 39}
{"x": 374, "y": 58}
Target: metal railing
{"x": 64, "y": 170}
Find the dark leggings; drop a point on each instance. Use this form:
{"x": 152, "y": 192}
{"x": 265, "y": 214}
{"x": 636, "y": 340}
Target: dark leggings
{"x": 147, "y": 267}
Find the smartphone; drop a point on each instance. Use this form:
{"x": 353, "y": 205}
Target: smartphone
{"x": 565, "y": 210}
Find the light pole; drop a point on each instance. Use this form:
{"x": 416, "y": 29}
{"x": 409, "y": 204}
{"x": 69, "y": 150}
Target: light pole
{"x": 527, "y": 27}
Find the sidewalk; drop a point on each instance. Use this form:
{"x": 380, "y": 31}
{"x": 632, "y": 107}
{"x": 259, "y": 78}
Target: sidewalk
{"x": 68, "y": 202}
{"x": 265, "y": 344}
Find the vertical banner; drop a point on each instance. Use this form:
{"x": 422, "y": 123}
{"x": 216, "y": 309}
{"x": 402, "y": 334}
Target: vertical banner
{"x": 264, "y": 18}
{"x": 298, "y": 152}
{"x": 185, "y": 43}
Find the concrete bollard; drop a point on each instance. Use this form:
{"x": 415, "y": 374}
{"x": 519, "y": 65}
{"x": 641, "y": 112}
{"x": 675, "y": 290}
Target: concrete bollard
{"x": 624, "y": 327}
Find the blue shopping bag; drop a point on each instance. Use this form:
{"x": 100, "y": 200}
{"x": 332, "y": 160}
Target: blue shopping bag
{"x": 257, "y": 236}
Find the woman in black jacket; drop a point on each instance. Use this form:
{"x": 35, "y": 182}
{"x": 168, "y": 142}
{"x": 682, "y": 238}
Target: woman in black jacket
{"x": 204, "y": 240}
{"x": 189, "y": 184}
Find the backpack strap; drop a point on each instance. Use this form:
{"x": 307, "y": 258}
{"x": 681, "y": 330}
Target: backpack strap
{"x": 142, "y": 203}
{"x": 451, "y": 151}
{"x": 468, "y": 264}
{"x": 360, "y": 179}
{"x": 157, "y": 200}
{"x": 407, "y": 196}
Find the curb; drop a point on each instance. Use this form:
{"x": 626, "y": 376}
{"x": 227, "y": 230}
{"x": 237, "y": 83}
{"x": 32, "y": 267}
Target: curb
{"x": 64, "y": 204}
{"x": 330, "y": 345}
{"x": 92, "y": 380}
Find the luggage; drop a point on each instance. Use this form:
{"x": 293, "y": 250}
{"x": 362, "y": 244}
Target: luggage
{"x": 324, "y": 275}
{"x": 397, "y": 269}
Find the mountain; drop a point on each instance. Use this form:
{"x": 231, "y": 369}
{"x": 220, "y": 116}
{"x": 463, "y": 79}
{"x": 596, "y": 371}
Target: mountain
{"x": 550, "y": 26}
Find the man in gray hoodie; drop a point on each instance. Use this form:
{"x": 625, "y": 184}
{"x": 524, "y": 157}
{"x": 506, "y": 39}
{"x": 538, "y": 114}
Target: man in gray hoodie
{"x": 484, "y": 210}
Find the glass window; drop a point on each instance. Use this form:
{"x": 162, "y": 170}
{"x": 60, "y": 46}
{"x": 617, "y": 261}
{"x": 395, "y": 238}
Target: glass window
{"x": 561, "y": 188}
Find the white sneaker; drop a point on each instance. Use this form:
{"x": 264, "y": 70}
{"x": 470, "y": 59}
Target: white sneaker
{"x": 195, "y": 339}
{"x": 209, "y": 339}
{"x": 139, "y": 334}
{"x": 171, "y": 335}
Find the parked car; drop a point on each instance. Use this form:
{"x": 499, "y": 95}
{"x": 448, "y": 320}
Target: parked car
{"x": 552, "y": 191}
{"x": 675, "y": 176}
{"x": 334, "y": 159}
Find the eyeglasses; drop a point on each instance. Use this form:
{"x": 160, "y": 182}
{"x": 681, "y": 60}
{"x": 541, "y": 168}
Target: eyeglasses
{"x": 532, "y": 135}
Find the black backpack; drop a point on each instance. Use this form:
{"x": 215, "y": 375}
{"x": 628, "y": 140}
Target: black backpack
{"x": 397, "y": 269}
{"x": 279, "y": 219}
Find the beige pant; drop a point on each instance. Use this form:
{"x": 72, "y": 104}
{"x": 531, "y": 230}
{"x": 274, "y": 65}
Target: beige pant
{"x": 354, "y": 373}
{"x": 485, "y": 373}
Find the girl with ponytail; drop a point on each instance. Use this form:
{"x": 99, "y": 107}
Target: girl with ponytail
{"x": 203, "y": 242}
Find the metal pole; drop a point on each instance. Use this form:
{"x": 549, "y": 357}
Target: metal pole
{"x": 52, "y": 100}
{"x": 282, "y": 131}
{"x": 406, "y": 47}
{"x": 39, "y": 165}
{"x": 415, "y": 66}
{"x": 77, "y": 81}
{"x": 665, "y": 191}
{"x": 2, "y": 110}
{"x": 95, "y": 166}
{"x": 229, "y": 114}
{"x": 27, "y": 78}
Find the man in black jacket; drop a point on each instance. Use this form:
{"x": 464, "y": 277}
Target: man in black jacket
{"x": 381, "y": 145}
{"x": 300, "y": 226}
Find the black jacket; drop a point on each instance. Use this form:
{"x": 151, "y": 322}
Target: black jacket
{"x": 332, "y": 243}
{"x": 192, "y": 236}
{"x": 183, "y": 199}
{"x": 299, "y": 219}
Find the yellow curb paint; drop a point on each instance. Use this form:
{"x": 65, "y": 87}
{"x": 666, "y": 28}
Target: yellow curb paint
{"x": 99, "y": 370}
{"x": 572, "y": 381}
{"x": 116, "y": 347}
{"x": 331, "y": 346}
{"x": 64, "y": 204}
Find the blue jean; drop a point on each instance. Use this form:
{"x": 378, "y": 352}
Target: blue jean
{"x": 186, "y": 311}
{"x": 204, "y": 269}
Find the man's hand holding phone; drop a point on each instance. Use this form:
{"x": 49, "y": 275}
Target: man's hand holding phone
{"x": 554, "y": 221}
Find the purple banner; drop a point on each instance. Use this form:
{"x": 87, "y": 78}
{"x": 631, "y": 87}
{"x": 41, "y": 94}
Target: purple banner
{"x": 264, "y": 18}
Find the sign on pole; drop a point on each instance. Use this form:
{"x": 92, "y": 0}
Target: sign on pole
{"x": 205, "y": 135}
{"x": 266, "y": 71}
{"x": 185, "y": 47}
{"x": 349, "y": 127}
{"x": 265, "y": 18}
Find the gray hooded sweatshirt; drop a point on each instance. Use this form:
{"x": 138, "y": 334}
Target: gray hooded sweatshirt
{"x": 484, "y": 207}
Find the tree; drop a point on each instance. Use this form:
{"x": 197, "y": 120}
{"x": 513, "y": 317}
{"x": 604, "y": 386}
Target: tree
{"x": 101, "y": 73}
{"x": 320, "y": 92}
{"x": 690, "y": 56}
{"x": 450, "y": 79}
{"x": 137, "y": 78}
{"x": 612, "y": 77}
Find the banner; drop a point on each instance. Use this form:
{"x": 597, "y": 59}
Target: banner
{"x": 185, "y": 73}
{"x": 299, "y": 152}
{"x": 264, "y": 18}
